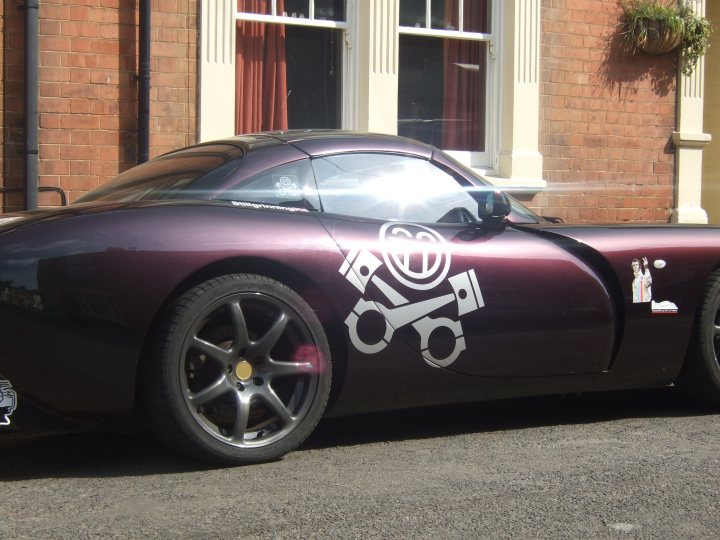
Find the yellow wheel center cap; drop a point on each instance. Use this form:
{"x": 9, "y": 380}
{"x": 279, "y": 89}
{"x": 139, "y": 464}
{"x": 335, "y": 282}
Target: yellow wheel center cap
{"x": 244, "y": 370}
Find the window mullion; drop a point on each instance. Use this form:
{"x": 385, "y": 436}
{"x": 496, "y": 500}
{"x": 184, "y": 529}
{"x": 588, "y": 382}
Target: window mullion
{"x": 461, "y": 12}
{"x": 428, "y": 14}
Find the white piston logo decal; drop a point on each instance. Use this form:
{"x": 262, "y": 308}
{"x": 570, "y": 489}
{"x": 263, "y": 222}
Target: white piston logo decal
{"x": 402, "y": 245}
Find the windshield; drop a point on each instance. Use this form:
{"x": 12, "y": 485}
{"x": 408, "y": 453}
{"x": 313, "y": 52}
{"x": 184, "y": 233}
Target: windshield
{"x": 188, "y": 174}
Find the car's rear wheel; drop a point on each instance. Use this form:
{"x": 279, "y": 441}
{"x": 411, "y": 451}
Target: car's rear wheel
{"x": 699, "y": 379}
{"x": 240, "y": 372}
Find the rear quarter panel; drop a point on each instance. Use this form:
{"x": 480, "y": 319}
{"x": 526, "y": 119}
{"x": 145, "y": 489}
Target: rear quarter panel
{"x": 652, "y": 344}
{"x": 78, "y": 295}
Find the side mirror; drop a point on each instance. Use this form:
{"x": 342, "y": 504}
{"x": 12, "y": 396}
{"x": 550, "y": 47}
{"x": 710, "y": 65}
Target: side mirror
{"x": 493, "y": 206}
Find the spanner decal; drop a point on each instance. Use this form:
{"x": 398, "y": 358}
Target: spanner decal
{"x": 400, "y": 241}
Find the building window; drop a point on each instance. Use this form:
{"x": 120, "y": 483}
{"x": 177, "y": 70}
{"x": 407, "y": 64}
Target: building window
{"x": 287, "y": 64}
{"x": 444, "y": 75}
{"x": 461, "y": 74}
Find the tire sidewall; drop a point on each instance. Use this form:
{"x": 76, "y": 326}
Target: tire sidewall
{"x": 204, "y": 298}
{"x": 707, "y": 332}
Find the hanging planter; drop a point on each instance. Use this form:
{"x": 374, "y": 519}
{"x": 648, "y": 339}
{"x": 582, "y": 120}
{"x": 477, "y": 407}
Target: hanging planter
{"x": 660, "y": 26}
{"x": 656, "y": 36}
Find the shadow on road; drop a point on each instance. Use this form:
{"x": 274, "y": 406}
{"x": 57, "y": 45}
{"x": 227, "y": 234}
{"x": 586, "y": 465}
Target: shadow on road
{"x": 97, "y": 455}
{"x": 501, "y": 415}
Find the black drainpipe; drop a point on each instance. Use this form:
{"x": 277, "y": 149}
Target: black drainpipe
{"x": 32, "y": 7}
{"x": 144, "y": 82}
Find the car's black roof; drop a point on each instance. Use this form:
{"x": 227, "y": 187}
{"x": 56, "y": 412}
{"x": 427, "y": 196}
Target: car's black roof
{"x": 323, "y": 142}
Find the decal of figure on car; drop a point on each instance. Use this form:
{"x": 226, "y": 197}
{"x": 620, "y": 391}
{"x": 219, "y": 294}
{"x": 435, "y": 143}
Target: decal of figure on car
{"x": 642, "y": 282}
{"x": 8, "y": 402}
{"x": 400, "y": 241}
{"x": 642, "y": 287}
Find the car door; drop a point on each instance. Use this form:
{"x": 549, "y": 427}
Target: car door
{"x": 483, "y": 299}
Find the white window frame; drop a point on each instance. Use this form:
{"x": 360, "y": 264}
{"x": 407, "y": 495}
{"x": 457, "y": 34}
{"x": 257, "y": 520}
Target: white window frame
{"x": 346, "y": 96}
{"x": 370, "y": 85}
{"x": 218, "y": 27}
{"x": 482, "y": 161}
{"x": 275, "y": 18}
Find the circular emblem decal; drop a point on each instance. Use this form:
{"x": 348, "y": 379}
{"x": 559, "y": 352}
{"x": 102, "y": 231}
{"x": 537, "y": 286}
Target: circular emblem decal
{"x": 416, "y": 256}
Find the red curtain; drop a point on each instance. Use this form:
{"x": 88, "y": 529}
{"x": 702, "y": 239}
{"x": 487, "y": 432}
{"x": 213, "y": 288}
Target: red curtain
{"x": 260, "y": 72}
{"x": 464, "y": 88}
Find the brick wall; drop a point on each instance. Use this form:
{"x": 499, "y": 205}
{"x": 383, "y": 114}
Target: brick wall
{"x": 11, "y": 110}
{"x": 606, "y": 116}
{"x": 88, "y": 91}
{"x": 606, "y": 119}
{"x": 174, "y": 84}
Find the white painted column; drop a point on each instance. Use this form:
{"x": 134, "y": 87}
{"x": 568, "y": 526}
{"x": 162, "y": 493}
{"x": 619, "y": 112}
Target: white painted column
{"x": 217, "y": 69}
{"x": 690, "y": 140}
{"x": 519, "y": 156}
{"x": 376, "y": 48}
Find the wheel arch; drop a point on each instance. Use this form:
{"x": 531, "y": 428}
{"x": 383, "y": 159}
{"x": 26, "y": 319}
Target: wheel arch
{"x": 699, "y": 377}
{"x": 691, "y": 349}
{"x": 308, "y": 289}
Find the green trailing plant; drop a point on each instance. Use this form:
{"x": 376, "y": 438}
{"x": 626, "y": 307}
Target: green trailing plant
{"x": 696, "y": 38}
{"x": 661, "y": 25}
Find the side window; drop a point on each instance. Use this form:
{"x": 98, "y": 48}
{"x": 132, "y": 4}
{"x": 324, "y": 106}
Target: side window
{"x": 391, "y": 187}
{"x": 290, "y": 184}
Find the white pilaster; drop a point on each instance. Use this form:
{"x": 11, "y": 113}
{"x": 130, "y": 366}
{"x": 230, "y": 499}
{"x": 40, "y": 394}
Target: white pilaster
{"x": 519, "y": 157}
{"x": 689, "y": 140}
{"x": 217, "y": 69}
{"x": 376, "y": 43}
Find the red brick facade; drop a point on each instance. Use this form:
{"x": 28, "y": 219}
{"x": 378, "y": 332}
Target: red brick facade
{"x": 606, "y": 116}
{"x": 88, "y": 91}
{"x": 11, "y": 90}
{"x": 606, "y": 119}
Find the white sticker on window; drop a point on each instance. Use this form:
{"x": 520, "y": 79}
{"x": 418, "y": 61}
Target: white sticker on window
{"x": 286, "y": 186}
{"x": 263, "y": 206}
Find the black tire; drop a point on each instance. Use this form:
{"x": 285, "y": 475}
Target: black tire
{"x": 699, "y": 379}
{"x": 239, "y": 373}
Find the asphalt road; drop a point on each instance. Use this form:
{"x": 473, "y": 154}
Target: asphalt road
{"x": 616, "y": 465}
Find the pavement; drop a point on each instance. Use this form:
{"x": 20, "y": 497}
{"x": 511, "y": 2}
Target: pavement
{"x": 612, "y": 465}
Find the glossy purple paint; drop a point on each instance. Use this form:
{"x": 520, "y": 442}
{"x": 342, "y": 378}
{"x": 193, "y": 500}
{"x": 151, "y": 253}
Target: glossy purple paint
{"x": 557, "y": 311}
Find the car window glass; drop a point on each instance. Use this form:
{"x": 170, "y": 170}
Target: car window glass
{"x": 290, "y": 185}
{"x": 391, "y": 187}
{"x": 185, "y": 174}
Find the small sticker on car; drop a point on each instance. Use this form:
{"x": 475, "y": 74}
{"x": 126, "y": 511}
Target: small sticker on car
{"x": 8, "y": 402}
{"x": 664, "y": 307}
{"x": 263, "y": 206}
{"x": 286, "y": 186}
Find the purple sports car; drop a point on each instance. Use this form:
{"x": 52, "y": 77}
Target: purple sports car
{"x": 232, "y": 293}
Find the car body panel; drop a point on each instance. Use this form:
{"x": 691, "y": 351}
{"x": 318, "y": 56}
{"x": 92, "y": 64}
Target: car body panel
{"x": 416, "y": 313}
{"x": 353, "y": 142}
{"x": 687, "y": 255}
{"x": 527, "y": 319}
{"x": 102, "y": 290}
